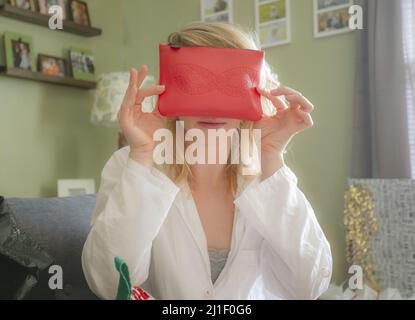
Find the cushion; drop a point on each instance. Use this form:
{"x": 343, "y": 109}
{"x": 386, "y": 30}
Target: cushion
{"x": 380, "y": 230}
{"x": 61, "y": 226}
{"x": 22, "y": 260}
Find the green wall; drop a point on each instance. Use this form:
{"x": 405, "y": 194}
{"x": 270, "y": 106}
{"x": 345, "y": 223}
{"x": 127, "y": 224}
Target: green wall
{"x": 46, "y": 134}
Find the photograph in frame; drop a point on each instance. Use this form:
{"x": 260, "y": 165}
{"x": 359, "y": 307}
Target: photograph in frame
{"x": 216, "y": 10}
{"x": 331, "y": 17}
{"x": 273, "y": 23}
{"x": 19, "y": 51}
{"x": 52, "y": 66}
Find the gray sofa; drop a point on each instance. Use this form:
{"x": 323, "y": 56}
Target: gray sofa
{"x": 61, "y": 226}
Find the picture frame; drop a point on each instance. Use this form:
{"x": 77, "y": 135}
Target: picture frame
{"x": 75, "y": 187}
{"x": 23, "y": 4}
{"x": 82, "y": 64}
{"x": 331, "y": 17}
{"x": 216, "y": 10}
{"x": 44, "y": 6}
{"x": 52, "y": 66}
{"x": 273, "y": 22}
{"x": 79, "y": 13}
{"x": 19, "y": 51}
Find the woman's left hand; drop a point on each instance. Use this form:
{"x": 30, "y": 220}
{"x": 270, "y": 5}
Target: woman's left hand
{"x": 277, "y": 130}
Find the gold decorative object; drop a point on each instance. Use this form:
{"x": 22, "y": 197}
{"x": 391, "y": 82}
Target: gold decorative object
{"x": 361, "y": 225}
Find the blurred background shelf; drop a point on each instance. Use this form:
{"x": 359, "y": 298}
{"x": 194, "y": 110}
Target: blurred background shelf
{"x": 38, "y": 76}
{"x": 12, "y": 12}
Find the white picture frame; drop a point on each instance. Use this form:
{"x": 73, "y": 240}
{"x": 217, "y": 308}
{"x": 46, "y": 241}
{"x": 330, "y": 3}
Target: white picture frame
{"x": 331, "y": 9}
{"x": 214, "y": 10}
{"x": 75, "y": 187}
{"x": 274, "y": 30}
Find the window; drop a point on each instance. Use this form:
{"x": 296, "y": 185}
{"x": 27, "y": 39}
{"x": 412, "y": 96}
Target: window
{"x": 408, "y": 27}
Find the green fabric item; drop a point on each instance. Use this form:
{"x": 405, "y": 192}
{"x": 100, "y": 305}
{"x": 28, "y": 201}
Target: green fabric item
{"x": 124, "y": 285}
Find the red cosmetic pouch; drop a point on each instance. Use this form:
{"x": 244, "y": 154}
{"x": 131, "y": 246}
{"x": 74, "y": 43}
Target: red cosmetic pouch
{"x": 210, "y": 82}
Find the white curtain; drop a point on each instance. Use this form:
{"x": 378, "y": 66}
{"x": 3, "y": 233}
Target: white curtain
{"x": 408, "y": 28}
{"x": 384, "y": 120}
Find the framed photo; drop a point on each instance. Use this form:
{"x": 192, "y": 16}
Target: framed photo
{"x": 331, "y": 17}
{"x": 23, "y": 4}
{"x": 75, "y": 187}
{"x": 52, "y": 66}
{"x": 273, "y": 22}
{"x": 79, "y": 12}
{"x": 216, "y": 10}
{"x": 19, "y": 51}
{"x": 82, "y": 64}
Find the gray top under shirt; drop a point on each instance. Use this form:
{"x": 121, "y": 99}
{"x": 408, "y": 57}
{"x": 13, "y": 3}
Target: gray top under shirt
{"x": 217, "y": 261}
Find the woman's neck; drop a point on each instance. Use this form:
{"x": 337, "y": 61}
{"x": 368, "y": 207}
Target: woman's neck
{"x": 208, "y": 176}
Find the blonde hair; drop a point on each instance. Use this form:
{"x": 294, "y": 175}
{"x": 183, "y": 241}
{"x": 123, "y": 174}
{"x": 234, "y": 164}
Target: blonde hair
{"x": 220, "y": 35}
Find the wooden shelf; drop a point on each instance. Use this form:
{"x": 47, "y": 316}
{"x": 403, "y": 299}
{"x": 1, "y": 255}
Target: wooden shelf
{"x": 12, "y": 12}
{"x": 38, "y": 76}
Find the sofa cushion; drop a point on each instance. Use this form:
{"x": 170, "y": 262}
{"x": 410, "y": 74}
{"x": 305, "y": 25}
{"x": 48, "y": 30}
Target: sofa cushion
{"x": 23, "y": 262}
{"x": 61, "y": 226}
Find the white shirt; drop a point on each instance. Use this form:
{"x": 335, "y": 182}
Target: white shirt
{"x": 278, "y": 250}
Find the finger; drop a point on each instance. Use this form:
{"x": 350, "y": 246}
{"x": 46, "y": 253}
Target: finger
{"x": 131, "y": 91}
{"x": 304, "y": 118}
{"x": 282, "y": 113}
{"x": 148, "y": 92}
{"x": 284, "y": 91}
{"x": 142, "y": 75}
{"x": 302, "y": 101}
{"x": 276, "y": 101}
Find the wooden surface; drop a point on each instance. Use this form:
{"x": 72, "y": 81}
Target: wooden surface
{"x": 12, "y": 12}
{"x": 38, "y": 76}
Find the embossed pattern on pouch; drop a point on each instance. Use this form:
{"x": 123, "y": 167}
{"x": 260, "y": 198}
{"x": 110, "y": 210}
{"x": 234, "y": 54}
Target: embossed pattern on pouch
{"x": 195, "y": 80}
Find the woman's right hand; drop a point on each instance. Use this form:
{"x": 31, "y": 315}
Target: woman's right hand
{"x": 138, "y": 126}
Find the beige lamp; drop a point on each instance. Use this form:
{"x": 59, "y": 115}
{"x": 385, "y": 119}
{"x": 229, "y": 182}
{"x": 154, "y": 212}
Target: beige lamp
{"x": 109, "y": 95}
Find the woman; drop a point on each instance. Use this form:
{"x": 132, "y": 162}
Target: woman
{"x": 203, "y": 231}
